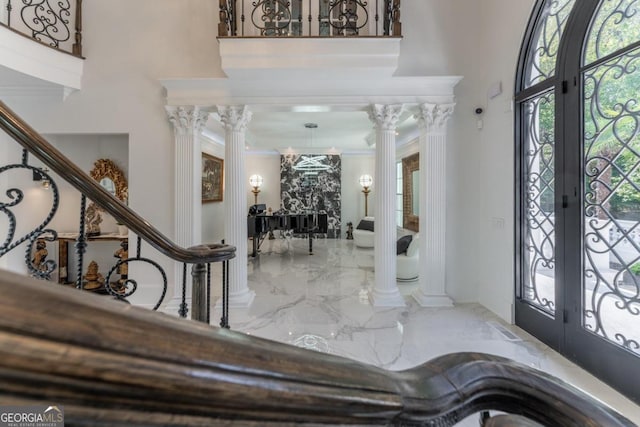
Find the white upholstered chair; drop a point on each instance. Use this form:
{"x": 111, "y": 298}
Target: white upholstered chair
{"x": 408, "y": 264}
{"x": 364, "y": 238}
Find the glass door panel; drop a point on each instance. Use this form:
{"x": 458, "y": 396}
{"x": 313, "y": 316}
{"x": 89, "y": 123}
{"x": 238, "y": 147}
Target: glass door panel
{"x": 611, "y": 224}
{"x": 539, "y": 284}
{"x": 541, "y": 60}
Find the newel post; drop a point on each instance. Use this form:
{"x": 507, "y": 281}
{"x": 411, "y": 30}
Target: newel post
{"x": 77, "y": 46}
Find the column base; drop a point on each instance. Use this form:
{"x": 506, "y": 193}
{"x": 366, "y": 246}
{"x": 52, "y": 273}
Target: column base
{"x": 432, "y": 300}
{"x": 239, "y": 300}
{"x": 387, "y": 299}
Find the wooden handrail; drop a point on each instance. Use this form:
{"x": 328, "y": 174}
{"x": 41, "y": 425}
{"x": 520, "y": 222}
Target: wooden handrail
{"x": 35, "y": 144}
{"x": 109, "y": 363}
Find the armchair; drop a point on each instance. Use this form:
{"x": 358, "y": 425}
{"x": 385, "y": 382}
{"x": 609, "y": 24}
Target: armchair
{"x": 364, "y": 238}
{"x": 408, "y": 263}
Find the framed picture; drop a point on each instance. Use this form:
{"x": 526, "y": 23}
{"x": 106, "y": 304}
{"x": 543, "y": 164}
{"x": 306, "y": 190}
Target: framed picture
{"x": 212, "y": 178}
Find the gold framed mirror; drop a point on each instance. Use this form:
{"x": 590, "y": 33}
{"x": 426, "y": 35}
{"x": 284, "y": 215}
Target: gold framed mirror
{"x": 111, "y": 178}
{"x": 411, "y": 192}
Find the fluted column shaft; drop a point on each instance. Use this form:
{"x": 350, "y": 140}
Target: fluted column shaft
{"x": 433, "y": 201}
{"x": 235, "y": 120}
{"x": 385, "y": 293}
{"x": 187, "y": 124}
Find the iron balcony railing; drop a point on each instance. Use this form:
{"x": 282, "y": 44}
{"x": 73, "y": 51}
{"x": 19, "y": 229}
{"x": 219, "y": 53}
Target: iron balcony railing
{"x": 301, "y": 18}
{"x": 200, "y": 257}
{"x": 55, "y": 23}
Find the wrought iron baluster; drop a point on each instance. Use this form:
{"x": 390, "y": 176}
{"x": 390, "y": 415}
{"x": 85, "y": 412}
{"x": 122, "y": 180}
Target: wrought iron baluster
{"x": 81, "y": 242}
{"x": 310, "y": 17}
{"x": 299, "y": 32}
{"x": 242, "y": 17}
{"x": 224, "y": 319}
{"x": 377, "y": 16}
{"x": 37, "y": 264}
{"x": 183, "y": 305}
{"x": 9, "y": 13}
{"x": 47, "y": 23}
{"x": 208, "y": 295}
{"x": 272, "y": 17}
{"x": 126, "y": 286}
{"x": 345, "y": 15}
{"x": 386, "y": 24}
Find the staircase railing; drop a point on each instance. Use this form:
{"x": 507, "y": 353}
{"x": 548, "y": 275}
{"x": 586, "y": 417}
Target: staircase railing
{"x": 308, "y": 18}
{"x": 106, "y": 363}
{"x": 55, "y": 23}
{"x": 102, "y": 362}
{"x": 200, "y": 256}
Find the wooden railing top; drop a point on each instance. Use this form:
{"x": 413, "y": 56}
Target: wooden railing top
{"x": 35, "y": 144}
{"x": 109, "y": 363}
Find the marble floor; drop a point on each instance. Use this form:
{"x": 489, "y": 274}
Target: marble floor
{"x": 321, "y": 302}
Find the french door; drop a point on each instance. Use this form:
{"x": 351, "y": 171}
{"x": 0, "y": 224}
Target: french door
{"x": 578, "y": 194}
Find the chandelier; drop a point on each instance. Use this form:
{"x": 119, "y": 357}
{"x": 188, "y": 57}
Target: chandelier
{"x": 311, "y": 165}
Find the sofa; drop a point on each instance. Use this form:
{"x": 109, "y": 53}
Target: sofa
{"x": 408, "y": 263}
{"x": 364, "y": 238}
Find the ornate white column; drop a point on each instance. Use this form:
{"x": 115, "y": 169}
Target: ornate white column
{"x": 235, "y": 120}
{"x": 385, "y": 293}
{"x": 432, "y": 119}
{"x": 187, "y": 124}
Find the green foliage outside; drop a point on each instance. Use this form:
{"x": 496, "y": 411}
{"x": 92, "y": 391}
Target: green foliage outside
{"x": 635, "y": 269}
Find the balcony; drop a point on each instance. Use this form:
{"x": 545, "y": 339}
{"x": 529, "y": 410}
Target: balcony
{"x": 309, "y": 18}
{"x": 40, "y": 47}
{"x": 321, "y": 39}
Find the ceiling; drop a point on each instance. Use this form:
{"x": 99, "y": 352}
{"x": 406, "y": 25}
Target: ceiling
{"x": 347, "y": 131}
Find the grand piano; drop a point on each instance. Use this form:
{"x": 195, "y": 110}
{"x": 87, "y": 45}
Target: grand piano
{"x": 260, "y": 224}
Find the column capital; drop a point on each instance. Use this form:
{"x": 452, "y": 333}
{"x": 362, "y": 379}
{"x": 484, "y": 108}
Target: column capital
{"x": 187, "y": 118}
{"x": 234, "y": 117}
{"x": 385, "y": 117}
{"x": 433, "y": 117}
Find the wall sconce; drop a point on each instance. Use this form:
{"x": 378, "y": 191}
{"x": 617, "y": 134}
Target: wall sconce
{"x": 365, "y": 182}
{"x": 255, "y": 181}
{"x": 39, "y": 176}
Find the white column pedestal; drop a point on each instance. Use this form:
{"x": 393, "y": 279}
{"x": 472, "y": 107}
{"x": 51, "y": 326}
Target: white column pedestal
{"x": 235, "y": 120}
{"x": 385, "y": 292}
{"x": 433, "y": 202}
{"x": 431, "y": 300}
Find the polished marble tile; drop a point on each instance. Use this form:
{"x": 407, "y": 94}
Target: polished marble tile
{"x": 321, "y": 302}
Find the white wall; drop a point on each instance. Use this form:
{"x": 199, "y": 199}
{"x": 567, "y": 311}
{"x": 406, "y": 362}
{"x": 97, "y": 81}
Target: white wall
{"x": 267, "y": 165}
{"x": 480, "y": 162}
{"x": 495, "y": 150}
{"x": 213, "y": 212}
{"x": 354, "y": 166}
